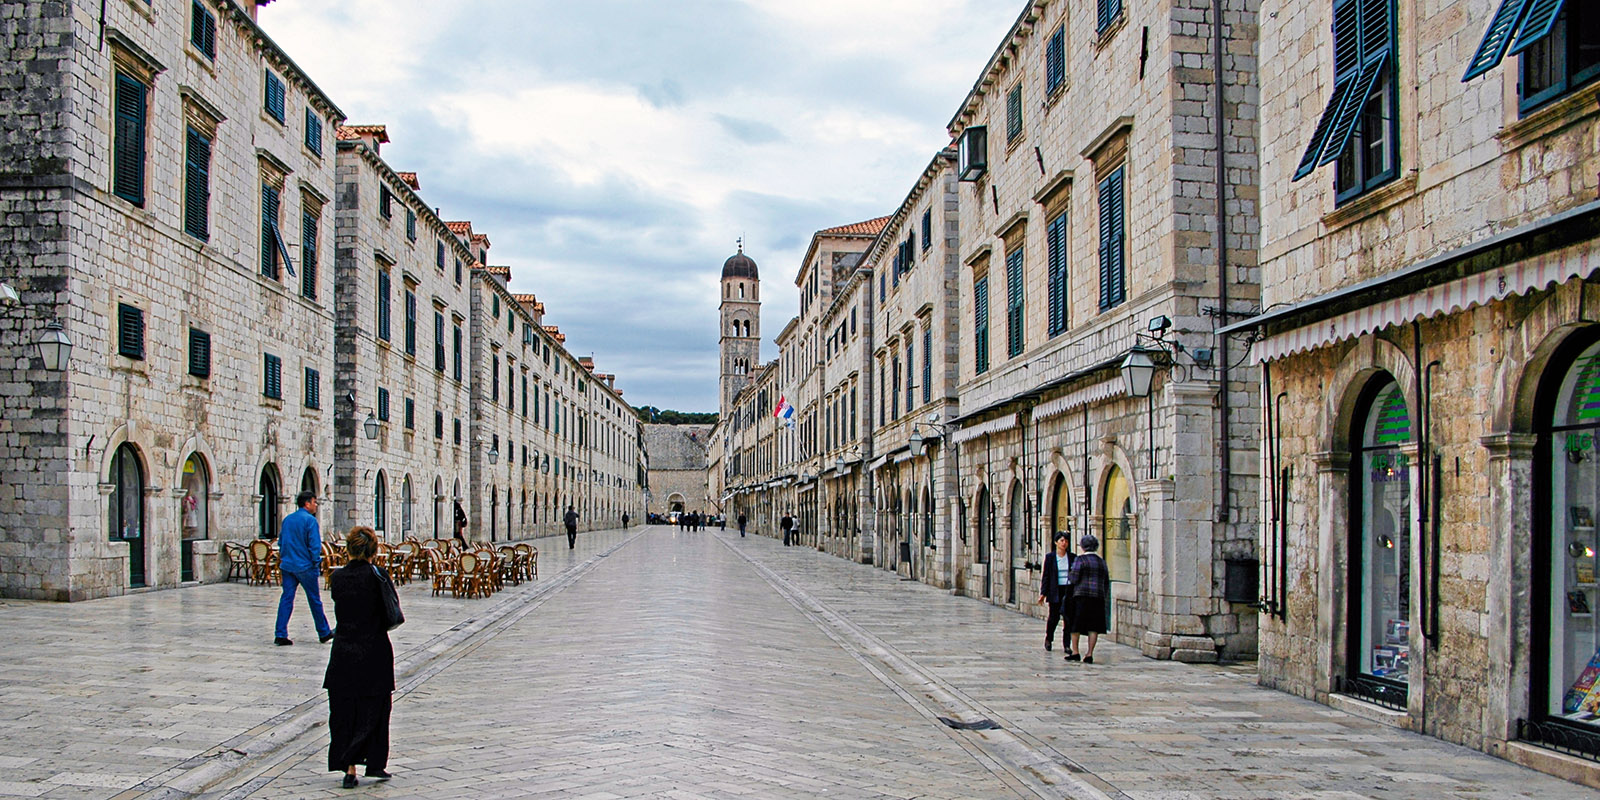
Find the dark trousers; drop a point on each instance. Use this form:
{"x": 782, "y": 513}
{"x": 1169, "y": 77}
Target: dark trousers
{"x": 1060, "y": 613}
{"x": 741, "y": 530}
{"x": 785, "y": 537}
{"x": 572, "y": 537}
{"x": 358, "y": 726}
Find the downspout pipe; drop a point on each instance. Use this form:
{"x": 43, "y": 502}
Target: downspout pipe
{"x": 1226, "y": 444}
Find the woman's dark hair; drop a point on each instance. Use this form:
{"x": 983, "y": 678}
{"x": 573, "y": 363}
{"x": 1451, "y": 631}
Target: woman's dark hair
{"x": 361, "y": 543}
{"x": 1062, "y": 535}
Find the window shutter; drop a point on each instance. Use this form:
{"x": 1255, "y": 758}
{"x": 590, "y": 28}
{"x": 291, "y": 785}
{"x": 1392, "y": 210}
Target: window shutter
{"x": 980, "y": 303}
{"x": 411, "y": 323}
{"x": 383, "y": 305}
{"x": 927, "y": 368}
{"x": 1056, "y": 242}
{"x": 199, "y": 353}
{"x": 313, "y": 132}
{"x": 411, "y": 414}
{"x": 1014, "y": 113}
{"x": 275, "y": 96}
{"x": 1362, "y": 38}
{"x": 927, "y": 229}
{"x": 273, "y": 383}
{"x": 269, "y": 226}
{"x": 1119, "y": 240}
{"x": 911, "y": 371}
{"x": 130, "y": 331}
{"x": 383, "y": 405}
{"x": 1508, "y": 18}
{"x": 197, "y": 185}
{"x": 1540, "y": 19}
{"x": 1112, "y": 235}
{"x": 203, "y": 30}
{"x": 1014, "y": 306}
{"x": 438, "y": 254}
{"x": 308, "y": 255}
{"x": 1055, "y": 60}
{"x": 128, "y": 173}
{"x": 313, "y": 388}
{"x": 411, "y": 225}
{"x": 438, "y": 341}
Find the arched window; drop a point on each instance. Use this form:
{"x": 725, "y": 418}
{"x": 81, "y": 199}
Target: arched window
{"x": 125, "y": 515}
{"x": 407, "y": 501}
{"x": 494, "y": 512}
{"x": 267, "y": 512}
{"x": 308, "y": 481}
{"x": 1021, "y": 542}
{"x": 380, "y": 503}
{"x": 1380, "y": 545}
{"x": 438, "y": 507}
{"x": 1060, "y": 507}
{"x": 193, "y": 511}
{"x": 985, "y": 524}
{"x": 741, "y": 291}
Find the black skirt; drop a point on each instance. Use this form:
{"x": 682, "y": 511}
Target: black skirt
{"x": 1088, "y": 615}
{"x": 358, "y": 726}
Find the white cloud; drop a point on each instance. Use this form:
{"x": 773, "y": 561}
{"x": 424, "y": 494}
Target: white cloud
{"x": 626, "y": 145}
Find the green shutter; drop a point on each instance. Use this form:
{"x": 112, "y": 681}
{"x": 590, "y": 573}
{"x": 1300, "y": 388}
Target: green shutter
{"x": 1055, "y": 60}
{"x": 128, "y": 149}
{"x": 313, "y": 132}
{"x": 203, "y": 30}
{"x": 273, "y": 378}
{"x": 275, "y": 96}
{"x": 196, "y": 184}
{"x": 269, "y": 227}
{"x": 308, "y": 255}
{"x": 130, "y": 331}
{"x": 411, "y": 323}
{"x": 1541, "y": 19}
{"x": 199, "y": 353}
{"x": 980, "y": 305}
{"x": 1014, "y": 305}
{"x": 927, "y": 371}
{"x": 383, "y": 305}
{"x": 1014, "y": 113}
{"x": 1113, "y": 289}
{"x": 1363, "y": 40}
{"x": 1056, "y": 242}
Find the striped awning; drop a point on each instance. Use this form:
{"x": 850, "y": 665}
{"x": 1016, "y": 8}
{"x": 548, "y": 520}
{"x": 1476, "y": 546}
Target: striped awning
{"x": 1529, "y": 275}
{"x": 1089, "y": 394}
{"x": 1004, "y": 423}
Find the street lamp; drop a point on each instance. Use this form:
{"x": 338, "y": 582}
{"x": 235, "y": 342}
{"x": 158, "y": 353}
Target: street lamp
{"x": 916, "y": 443}
{"x": 546, "y": 467}
{"x": 370, "y": 427}
{"x": 55, "y": 349}
{"x": 494, "y": 454}
{"x": 1138, "y": 370}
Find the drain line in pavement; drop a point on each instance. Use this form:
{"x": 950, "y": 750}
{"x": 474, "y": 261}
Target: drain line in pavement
{"x": 1022, "y": 760}
{"x": 266, "y": 750}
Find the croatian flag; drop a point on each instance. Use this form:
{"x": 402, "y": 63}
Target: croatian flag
{"x": 785, "y": 412}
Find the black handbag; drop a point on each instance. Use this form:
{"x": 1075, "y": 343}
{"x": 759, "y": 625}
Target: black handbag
{"x": 391, "y": 600}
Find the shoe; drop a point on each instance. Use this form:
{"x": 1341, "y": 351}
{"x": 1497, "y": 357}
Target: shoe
{"x": 282, "y": 642}
{"x": 378, "y": 775}
{"x": 325, "y": 639}
{"x": 350, "y": 781}
{"x": 1088, "y": 659}
{"x": 1071, "y": 657}
{"x": 1048, "y": 645}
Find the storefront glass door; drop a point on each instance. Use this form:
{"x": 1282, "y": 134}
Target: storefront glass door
{"x": 1380, "y": 563}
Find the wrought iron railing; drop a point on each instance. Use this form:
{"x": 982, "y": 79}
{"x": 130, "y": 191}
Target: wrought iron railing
{"x": 1565, "y": 737}
{"x": 1389, "y": 694}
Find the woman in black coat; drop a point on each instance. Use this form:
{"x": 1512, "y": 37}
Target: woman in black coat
{"x": 361, "y": 667}
{"x": 1053, "y": 589}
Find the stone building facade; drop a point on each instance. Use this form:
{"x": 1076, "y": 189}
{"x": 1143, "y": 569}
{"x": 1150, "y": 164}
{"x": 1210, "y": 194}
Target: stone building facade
{"x": 153, "y": 171}
{"x": 173, "y": 201}
{"x": 679, "y": 477}
{"x": 402, "y": 303}
{"x": 1428, "y": 355}
{"x": 1091, "y": 205}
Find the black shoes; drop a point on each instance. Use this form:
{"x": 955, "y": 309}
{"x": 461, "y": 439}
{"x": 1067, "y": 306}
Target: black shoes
{"x": 378, "y": 775}
{"x": 350, "y": 781}
{"x": 325, "y": 639}
{"x": 1048, "y": 644}
{"x": 282, "y": 642}
{"x": 1088, "y": 659}
{"x": 1071, "y": 657}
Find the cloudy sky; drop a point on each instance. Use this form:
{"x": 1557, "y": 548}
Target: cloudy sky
{"x": 615, "y": 151}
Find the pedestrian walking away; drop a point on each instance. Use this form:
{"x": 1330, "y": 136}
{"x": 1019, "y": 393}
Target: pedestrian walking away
{"x": 300, "y": 562}
{"x": 624, "y": 520}
{"x": 571, "y": 519}
{"x": 787, "y": 523}
{"x": 741, "y": 524}
{"x": 461, "y": 525}
{"x": 360, "y": 676}
{"x": 1091, "y": 584}
{"x": 722, "y": 522}
{"x": 1055, "y": 589}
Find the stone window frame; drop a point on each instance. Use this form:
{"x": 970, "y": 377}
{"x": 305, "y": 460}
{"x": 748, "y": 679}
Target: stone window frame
{"x": 130, "y": 61}
{"x": 1109, "y": 153}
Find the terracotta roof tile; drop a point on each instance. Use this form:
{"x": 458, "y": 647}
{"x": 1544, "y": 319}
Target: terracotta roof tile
{"x": 504, "y": 272}
{"x": 350, "y": 132}
{"x": 871, "y": 227}
{"x": 524, "y": 298}
{"x": 411, "y": 180}
{"x": 480, "y": 238}
{"x": 459, "y": 228}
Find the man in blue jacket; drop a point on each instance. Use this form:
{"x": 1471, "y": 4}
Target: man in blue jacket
{"x": 300, "y": 560}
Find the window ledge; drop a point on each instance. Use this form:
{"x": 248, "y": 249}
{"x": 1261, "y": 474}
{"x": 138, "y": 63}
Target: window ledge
{"x": 1372, "y": 202}
{"x": 1104, "y": 37}
{"x": 1566, "y": 112}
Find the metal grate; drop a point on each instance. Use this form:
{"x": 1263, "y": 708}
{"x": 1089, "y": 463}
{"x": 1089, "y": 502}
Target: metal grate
{"x": 1573, "y": 740}
{"x": 979, "y": 725}
{"x": 1389, "y": 694}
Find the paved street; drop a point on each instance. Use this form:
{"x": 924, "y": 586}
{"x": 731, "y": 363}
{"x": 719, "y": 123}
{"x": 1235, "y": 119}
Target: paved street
{"x": 656, "y": 663}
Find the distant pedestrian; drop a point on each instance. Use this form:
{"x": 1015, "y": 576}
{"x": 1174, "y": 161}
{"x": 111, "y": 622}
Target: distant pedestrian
{"x": 571, "y": 518}
{"x": 722, "y": 522}
{"x": 461, "y": 525}
{"x": 1091, "y": 589}
{"x": 1055, "y": 590}
{"x": 624, "y": 520}
{"x": 300, "y": 561}
{"x": 741, "y": 524}
{"x": 787, "y": 523}
{"x": 360, "y": 676}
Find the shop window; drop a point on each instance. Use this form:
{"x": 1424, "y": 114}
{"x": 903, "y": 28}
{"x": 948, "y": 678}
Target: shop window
{"x": 1117, "y": 510}
{"x": 126, "y": 509}
{"x": 1565, "y": 704}
{"x": 1380, "y": 545}
{"x": 194, "y": 513}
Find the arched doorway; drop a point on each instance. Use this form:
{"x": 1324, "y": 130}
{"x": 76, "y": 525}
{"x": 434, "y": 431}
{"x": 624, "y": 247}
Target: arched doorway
{"x": 985, "y": 535}
{"x": 509, "y": 510}
{"x": 1116, "y": 508}
{"x": 1060, "y": 507}
{"x": 125, "y": 515}
{"x": 494, "y": 512}
{"x": 438, "y": 507}
{"x": 380, "y": 505}
{"x": 267, "y": 508}
{"x": 1018, "y": 520}
{"x": 1379, "y": 593}
{"x": 675, "y": 502}
{"x": 927, "y": 517}
{"x": 308, "y": 482}
{"x": 194, "y": 512}
{"x": 1565, "y": 498}
{"x": 407, "y": 508}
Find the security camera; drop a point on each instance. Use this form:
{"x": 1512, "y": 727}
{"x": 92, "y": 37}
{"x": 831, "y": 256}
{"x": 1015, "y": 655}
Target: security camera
{"x": 9, "y": 296}
{"x": 933, "y": 418}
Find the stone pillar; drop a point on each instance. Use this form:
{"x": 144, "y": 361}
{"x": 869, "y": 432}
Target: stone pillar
{"x": 1510, "y": 578}
{"x": 1331, "y": 564}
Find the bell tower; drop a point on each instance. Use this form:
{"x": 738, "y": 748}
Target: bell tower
{"x": 740, "y": 317}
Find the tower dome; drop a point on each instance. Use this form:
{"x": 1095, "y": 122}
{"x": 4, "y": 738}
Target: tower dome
{"x": 739, "y": 265}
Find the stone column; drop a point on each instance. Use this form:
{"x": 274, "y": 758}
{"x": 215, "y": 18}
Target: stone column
{"x": 1332, "y": 527}
{"x": 1510, "y": 578}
